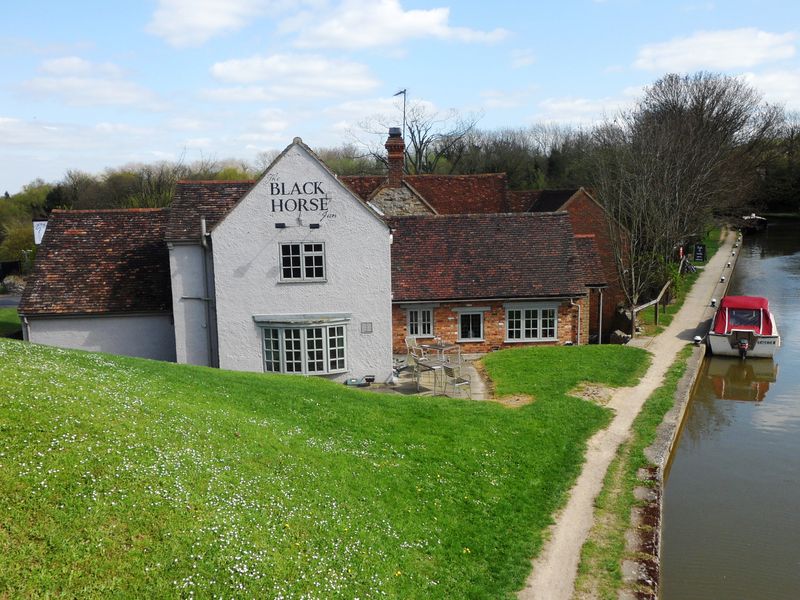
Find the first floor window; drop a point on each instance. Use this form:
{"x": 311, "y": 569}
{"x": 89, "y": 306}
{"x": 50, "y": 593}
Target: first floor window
{"x": 303, "y": 261}
{"x": 420, "y": 322}
{"x": 313, "y": 350}
{"x": 531, "y": 323}
{"x": 470, "y": 326}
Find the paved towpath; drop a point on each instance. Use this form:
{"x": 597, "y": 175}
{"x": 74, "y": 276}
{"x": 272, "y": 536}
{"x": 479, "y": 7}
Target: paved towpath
{"x": 553, "y": 573}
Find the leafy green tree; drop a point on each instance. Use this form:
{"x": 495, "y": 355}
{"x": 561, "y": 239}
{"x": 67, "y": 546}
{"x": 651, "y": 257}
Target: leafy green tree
{"x": 17, "y": 239}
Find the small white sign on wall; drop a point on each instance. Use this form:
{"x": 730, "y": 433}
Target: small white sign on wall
{"x": 39, "y": 227}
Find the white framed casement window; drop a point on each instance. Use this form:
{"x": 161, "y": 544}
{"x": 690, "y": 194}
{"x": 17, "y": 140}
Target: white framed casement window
{"x": 302, "y": 261}
{"x": 307, "y": 350}
{"x": 531, "y": 322}
{"x": 470, "y": 326}
{"x": 420, "y": 322}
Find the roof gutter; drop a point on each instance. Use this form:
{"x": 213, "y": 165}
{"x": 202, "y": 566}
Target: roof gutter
{"x": 490, "y": 299}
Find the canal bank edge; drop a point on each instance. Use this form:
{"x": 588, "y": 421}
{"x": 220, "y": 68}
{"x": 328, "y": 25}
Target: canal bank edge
{"x": 660, "y": 452}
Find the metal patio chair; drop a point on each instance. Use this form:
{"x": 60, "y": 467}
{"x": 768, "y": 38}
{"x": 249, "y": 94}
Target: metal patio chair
{"x": 452, "y": 375}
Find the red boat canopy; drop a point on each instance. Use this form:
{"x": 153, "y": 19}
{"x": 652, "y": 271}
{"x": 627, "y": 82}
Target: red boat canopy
{"x": 751, "y": 302}
{"x": 743, "y": 313}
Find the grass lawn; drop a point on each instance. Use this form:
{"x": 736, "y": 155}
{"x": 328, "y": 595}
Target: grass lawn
{"x": 600, "y": 570}
{"x": 135, "y": 478}
{"x": 9, "y": 321}
{"x": 647, "y": 317}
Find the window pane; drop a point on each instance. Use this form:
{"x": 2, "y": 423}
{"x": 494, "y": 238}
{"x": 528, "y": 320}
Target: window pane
{"x": 313, "y": 261}
{"x": 531, "y": 323}
{"x": 272, "y": 350}
{"x": 290, "y": 261}
{"x": 470, "y": 326}
{"x": 413, "y": 322}
{"x": 315, "y": 351}
{"x": 336, "y": 348}
{"x": 427, "y": 322}
{"x": 293, "y": 350}
{"x": 548, "y": 323}
{"x": 514, "y": 324}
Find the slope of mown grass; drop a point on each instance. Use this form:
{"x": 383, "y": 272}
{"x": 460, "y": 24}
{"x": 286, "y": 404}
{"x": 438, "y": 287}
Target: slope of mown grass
{"x": 9, "y": 321}
{"x": 135, "y": 478}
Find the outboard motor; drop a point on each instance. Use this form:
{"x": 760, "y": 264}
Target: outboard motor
{"x": 744, "y": 346}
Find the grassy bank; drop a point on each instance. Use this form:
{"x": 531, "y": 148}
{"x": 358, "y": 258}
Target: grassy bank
{"x": 135, "y": 478}
{"x": 9, "y": 321}
{"x": 647, "y": 317}
{"x": 600, "y": 570}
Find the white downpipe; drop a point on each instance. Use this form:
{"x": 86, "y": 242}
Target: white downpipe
{"x": 206, "y": 300}
{"x": 600, "y": 322}
{"x": 578, "y": 337}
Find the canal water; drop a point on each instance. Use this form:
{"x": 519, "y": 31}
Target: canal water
{"x": 731, "y": 524}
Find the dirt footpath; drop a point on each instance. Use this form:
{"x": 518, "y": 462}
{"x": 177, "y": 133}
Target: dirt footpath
{"x": 553, "y": 573}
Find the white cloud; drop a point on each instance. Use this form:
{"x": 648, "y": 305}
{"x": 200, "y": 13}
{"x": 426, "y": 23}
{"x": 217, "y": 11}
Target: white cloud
{"x": 522, "y": 58}
{"x": 123, "y": 129}
{"x": 76, "y": 66}
{"x": 186, "y": 124}
{"x": 358, "y": 109}
{"x": 506, "y": 98}
{"x": 579, "y": 110}
{"x": 728, "y": 49}
{"x": 250, "y": 93}
{"x": 290, "y": 76}
{"x": 778, "y": 87}
{"x": 90, "y": 91}
{"x": 79, "y": 82}
{"x": 193, "y": 22}
{"x": 370, "y": 23}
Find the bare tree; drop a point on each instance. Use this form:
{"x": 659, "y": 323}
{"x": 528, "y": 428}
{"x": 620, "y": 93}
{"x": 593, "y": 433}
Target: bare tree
{"x": 435, "y": 140}
{"x": 688, "y": 150}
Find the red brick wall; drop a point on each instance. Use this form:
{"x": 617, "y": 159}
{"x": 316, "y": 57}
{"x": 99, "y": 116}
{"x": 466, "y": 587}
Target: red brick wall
{"x": 588, "y": 217}
{"x": 445, "y": 325}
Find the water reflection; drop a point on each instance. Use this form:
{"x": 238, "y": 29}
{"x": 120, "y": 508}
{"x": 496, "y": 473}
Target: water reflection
{"x": 745, "y": 380}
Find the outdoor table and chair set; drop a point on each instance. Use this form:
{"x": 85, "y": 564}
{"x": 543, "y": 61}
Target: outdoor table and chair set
{"x": 442, "y": 360}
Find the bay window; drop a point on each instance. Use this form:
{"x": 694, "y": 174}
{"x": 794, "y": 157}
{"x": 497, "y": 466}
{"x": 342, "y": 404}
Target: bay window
{"x": 307, "y": 350}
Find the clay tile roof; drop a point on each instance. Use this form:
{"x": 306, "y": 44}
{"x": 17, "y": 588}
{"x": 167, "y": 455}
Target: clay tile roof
{"x": 101, "y": 261}
{"x": 462, "y": 194}
{"x": 363, "y": 185}
{"x": 522, "y": 200}
{"x": 462, "y": 257}
{"x": 194, "y": 200}
{"x": 551, "y": 200}
{"x": 447, "y": 194}
{"x": 590, "y": 261}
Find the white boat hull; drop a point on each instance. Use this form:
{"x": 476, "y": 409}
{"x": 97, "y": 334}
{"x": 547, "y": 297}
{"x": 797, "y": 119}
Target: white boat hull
{"x": 762, "y": 346}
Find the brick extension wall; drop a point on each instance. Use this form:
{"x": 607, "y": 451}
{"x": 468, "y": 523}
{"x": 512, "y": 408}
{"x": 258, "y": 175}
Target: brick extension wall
{"x": 588, "y": 217}
{"x": 445, "y": 325}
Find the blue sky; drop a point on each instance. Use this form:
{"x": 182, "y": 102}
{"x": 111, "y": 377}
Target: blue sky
{"x": 89, "y": 84}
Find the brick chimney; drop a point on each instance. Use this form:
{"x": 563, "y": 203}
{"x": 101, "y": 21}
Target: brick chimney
{"x": 395, "y": 149}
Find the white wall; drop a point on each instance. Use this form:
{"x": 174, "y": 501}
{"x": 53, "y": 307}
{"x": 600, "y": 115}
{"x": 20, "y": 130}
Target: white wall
{"x": 145, "y": 336}
{"x": 247, "y": 277}
{"x": 192, "y": 326}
